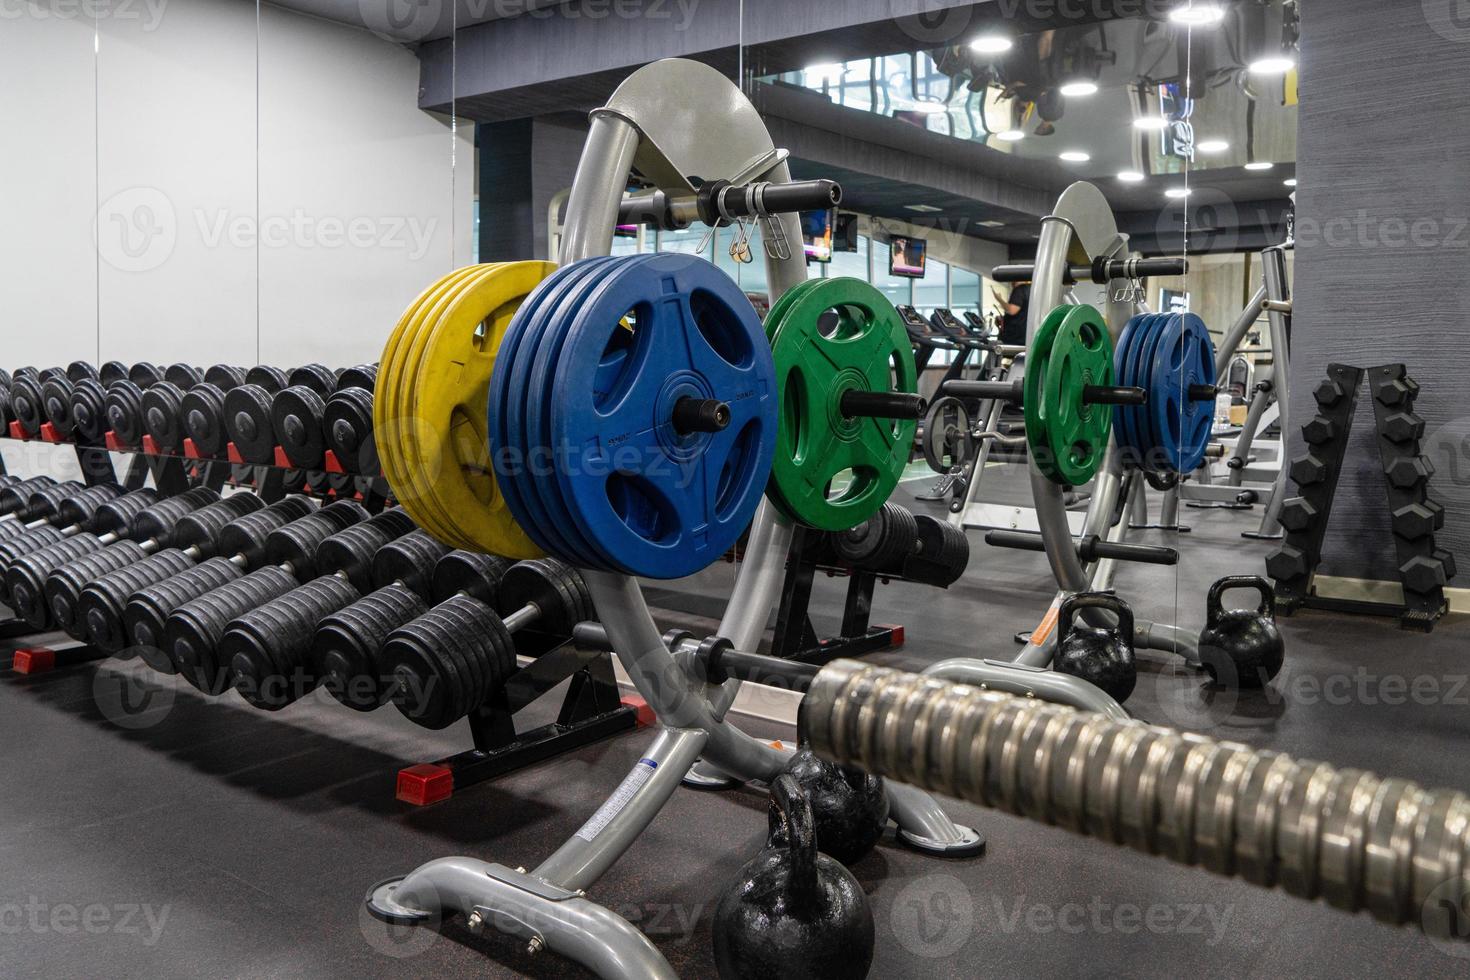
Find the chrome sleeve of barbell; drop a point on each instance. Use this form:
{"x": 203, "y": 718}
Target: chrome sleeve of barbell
{"x": 1355, "y": 840}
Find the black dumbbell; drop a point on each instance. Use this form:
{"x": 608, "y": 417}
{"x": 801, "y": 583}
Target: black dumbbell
{"x": 183, "y": 376}
{"x": 123, "y": 405}
{"x": 192, "y": 632}
{"x": 15, "y": 498}
{"x": 247, "y": 414}
{"x": 144, "y": 374}
{"x": 55, "y": 505}
{"x": 239, "y": 547}
{"x": 56, "y": 396}
{"x": 202, "y": 410}
{"x": 112, "y": 371}
{"x": 318, "y": 377}
{"x": 345, "y": 648}
{"x": 269, "y": 649}
{"x": 347, "y": 425}
{"x": 364, "y": 376}
{"x": 27, "y": 403}
{"x": 297, "y": 415}
{"x": 88, "y": 411}
{"x": 457, "y": 656}
{"x": 151, "y": 530}
{"x": 224, "y": 377}
{"x": 163, "y": 416}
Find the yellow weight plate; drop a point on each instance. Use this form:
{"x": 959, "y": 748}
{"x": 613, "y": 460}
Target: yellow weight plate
{"x": 386, "y": 411}
{"x": 403, "y": 428}
{"x": 450, "y": 391}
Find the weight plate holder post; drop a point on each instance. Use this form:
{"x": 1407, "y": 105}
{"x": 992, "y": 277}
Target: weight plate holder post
{"x": 645, "y": 128}
{"x": 1080, "y": 233}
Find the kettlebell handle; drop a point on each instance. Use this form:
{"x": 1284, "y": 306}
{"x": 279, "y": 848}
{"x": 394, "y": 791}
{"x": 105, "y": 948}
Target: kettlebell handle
{"x": 793, "y": 811}
{"x": 1214, "y": 610}
{"x": 1067, "y": 615}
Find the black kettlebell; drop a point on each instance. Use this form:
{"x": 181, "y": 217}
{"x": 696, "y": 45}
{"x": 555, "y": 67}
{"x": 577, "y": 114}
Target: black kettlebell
{"x": 1102, "y": 657}
{"x": 793, "y": 912}
{"x": 850, "y": 806}
{"x": 1241, "y": 647}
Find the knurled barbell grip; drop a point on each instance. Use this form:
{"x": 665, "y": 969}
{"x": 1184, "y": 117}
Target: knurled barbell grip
{"x": 883, "y": 404}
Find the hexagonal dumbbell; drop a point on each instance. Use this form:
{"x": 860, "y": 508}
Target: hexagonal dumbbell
{"x": 1447, "y": 561}
{"x": 1409, "y": 471}
{"x": 1328, "y": 393}
{"x": 1287, "y": 563}
{"x": 1395, "y": 392}
{"x": 1422, "y": 574}
{"x": 1319, "y": 430}
{"x": 1413, "y": 522}
{"x": 1403, "y": 427}
{"x": 1438, "y": 511}
{"x": 1307, "y": 470}
{"x": 1297, "y": 514}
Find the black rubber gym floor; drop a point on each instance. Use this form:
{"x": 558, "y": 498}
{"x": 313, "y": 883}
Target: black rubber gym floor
{"x": 218, "y": 840}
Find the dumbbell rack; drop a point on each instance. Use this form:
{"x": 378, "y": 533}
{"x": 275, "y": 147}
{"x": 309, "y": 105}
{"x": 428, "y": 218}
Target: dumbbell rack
{"x": 1423, "y": 568}
{"x": 796, "y": 639}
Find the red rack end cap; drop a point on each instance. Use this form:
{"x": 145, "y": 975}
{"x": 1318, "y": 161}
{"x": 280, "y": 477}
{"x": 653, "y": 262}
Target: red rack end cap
{"x": 895, "y": 633}
{"x": 234, "y": 454}
{"x": 281, "y": 459}
{"x": 36, "y": 660}
{"x": 49, "y": 433}
{"x": 111, "y": 440}
{"x": 424, "y": 784}
{"x": 333, "y": 464}
{"x": 16, "y": 432}
{"x": 191, "y": 450}
{"x": 150, "y": 445}
{"x": 645, "y": 715}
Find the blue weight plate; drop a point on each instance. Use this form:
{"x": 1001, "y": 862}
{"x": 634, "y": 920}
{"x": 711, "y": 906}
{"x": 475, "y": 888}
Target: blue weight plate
{"x": 1183, "y": 356}
{"x": 1132, "y": 417}
{"x": 526, "y": 394}
{"x": 543, "y": 346}
{"x": 1148, "y": 436}
{"x": 508, "y": 447}
{"x": 655, "y": 502}
{"x": 1131, "y": 332}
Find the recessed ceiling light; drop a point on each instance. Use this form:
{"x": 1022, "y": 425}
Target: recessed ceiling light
{"x": 1151, "y": 122}
{"x": 1075, "y": 156}
{"x": 1290, "y": 182}
{"x": 991, "y": 44}
{"x": 930, "y": 106}
{"x": 1278, "y": 65}
{"x": 1259, "y": 165}
{"x": 1075, "y": 90}
{"x": 1130, "y": 177}
{"x": 1177, "y": 192}
{"x": 1197, "y": 15}
{"x": 1212, "y": 146}
{"x": 992, "y": 224}
{"x": 922, "y": 208}
{"x": 1011, "y": 135}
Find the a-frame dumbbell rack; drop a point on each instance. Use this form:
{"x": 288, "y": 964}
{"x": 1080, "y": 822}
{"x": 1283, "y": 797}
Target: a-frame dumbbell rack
{"x": 1424, "y": 568}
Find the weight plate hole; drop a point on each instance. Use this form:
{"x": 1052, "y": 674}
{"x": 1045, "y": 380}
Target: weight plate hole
{"x": 614, "y": 367}
{"x": 720, "y": 330}
{"x": 641, "y": 507}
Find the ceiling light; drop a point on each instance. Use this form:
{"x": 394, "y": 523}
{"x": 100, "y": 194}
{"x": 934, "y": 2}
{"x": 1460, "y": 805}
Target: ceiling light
{"x": 991, "y": 44}
{"x": 1076, "y": 90}
{"x": 1177, "y": 192}
{"x": 1212, "y": 146}
{"x": 1151, "y": 122}
{"x": 992, "y": 224}
{"x": 1011, "y": 135}
{"x": 1130, "y": 177}
{"x": 1278, "y": 65}
{"x": 1290, "y": 182}
{"x": 1259, "y": 165}
{"x": 930, "y": 106}
{"x": 922, "y": 208}
{"x": 1076, "y": 156}
{"x": 1203, "y": 15}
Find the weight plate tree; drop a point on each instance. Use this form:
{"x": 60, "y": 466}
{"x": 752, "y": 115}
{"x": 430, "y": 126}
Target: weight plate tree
{"x": 834, "y": 384}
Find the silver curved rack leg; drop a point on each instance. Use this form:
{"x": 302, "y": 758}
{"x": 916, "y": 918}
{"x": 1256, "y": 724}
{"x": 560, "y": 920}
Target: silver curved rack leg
{"x": 645, "y": 125}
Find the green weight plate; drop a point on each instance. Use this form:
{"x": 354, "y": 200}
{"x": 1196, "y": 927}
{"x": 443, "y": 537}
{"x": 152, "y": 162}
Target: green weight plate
{"x": 865, "y": 349}
{"x": 1067, "y": 437}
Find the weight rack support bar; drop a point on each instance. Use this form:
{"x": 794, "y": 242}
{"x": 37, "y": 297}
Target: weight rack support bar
{"x": 1089, "y": 549}
{"x": 1101, "y": 271}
